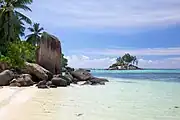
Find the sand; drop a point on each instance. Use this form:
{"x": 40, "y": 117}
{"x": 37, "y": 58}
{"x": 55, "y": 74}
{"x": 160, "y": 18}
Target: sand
{"x": 138, "y": 100}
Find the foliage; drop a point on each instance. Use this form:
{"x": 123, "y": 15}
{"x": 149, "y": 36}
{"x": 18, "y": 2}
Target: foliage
{"x": 125, "y": 61}
{"x": 35, "y": 35}
{"x": 11, "y": 21}
{"x": 18, "y": 53}
{"x": 64, "y": 61}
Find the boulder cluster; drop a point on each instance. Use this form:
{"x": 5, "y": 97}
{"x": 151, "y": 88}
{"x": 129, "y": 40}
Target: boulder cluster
{"x": 34, "y": 74}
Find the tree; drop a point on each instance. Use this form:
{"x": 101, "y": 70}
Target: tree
{"x": 125, "y": 61}
{"x": 64, "y": 61}
{"x": 11, "y": 21}
{"x": 35, "y": 35}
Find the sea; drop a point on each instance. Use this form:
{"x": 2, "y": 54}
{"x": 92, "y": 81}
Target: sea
{"x": 129, "y": 95}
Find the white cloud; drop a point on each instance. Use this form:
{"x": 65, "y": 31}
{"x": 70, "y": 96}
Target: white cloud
{"x": 106, "y": 13}
{"x": 80, "y": 62}
{"x": 165, "y": 63}
{"x": 138, "y": 52}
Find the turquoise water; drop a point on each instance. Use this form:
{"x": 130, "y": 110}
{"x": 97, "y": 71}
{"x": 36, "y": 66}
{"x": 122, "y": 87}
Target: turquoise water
{"x": 152, "y": 75}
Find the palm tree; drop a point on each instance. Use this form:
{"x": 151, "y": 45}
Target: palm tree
{"x": 11, "y": 21}
{"x": 35, "y": 36}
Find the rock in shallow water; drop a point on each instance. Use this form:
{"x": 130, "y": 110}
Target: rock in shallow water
{"x": 82, "y": 75}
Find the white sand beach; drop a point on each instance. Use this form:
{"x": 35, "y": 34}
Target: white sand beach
{"x": 143, "y": 100}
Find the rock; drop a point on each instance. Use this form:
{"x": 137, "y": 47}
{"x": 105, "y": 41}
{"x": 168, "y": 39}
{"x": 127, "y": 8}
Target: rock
{"x": 98, "y": 83}
{"x": 38, "y": 71}
{"x": 53, "y": 86}
{"x": 24, "y": 80}
{"x": 49, "y": 53}
{"x": 58, "y": 75}
{"x": 87, "y": 83}
{"x": 49, "y": 83}
{"x": 43, "y": 87}
{"x": 5, "y": 77}
{"x": 15, "y": 84}
{"x": 59, "y": 82}
{"x": 95, "y": 81}
{"x": 98, "y": 80}
{"x": 81, "y": 75}
{"x": 75, "y": 81}
{"x": 43, "y": 82}
{"x": 67, "y": 78}
{"x": 69, "y": 69}
{"x": 3, "y": 66}
{"x": 176, "y": 107}
{"x": 68, "y": 74}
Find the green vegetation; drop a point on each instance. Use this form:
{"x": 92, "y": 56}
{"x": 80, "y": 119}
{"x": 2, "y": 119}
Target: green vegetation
{"x": 18, "y": 53}
{"x": 13, "y": 50}
{"x": 64, "y": 61}
{"x": 35, "y": 35}
{"x": 126, "y": 61}
{"x": 12, "y": 22}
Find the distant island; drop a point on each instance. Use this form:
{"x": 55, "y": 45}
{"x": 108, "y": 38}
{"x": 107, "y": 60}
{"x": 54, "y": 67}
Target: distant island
{"x": 126, "y": 62}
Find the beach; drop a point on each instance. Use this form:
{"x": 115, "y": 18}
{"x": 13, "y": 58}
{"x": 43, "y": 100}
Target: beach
{"x": 118, "y": 99}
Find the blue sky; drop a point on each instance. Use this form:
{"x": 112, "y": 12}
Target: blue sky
{"x": 94, "y": 32}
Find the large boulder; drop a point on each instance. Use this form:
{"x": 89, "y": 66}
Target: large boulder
{"x": 5, "y": 77}
{"x": 59, "y": 82}
{"x": 49, "y": 53}
{"x": 82, "y": 75}
{"x": 38, "y": 71}
{"x": 23, "y": 81}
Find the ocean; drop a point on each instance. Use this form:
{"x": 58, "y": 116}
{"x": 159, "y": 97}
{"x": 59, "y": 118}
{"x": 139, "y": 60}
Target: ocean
{"x": 130, "y": 95}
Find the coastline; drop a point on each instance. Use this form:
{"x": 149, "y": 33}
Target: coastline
{"x": 118, "y": 99}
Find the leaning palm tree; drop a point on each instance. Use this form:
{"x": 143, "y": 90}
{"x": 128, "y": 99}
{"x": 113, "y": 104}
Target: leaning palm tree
{"x": 35, "y": 35}
{"x": 11, "y": 20}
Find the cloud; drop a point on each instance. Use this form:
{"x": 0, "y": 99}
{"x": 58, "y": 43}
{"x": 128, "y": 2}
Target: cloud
{"x": 165, "y": 63}
{"x": 81, "y": 61}
{"x": 138, "y": 52}
{"x": 106, "y": 13}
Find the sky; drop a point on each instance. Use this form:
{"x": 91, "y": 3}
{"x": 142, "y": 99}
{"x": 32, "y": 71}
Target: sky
{"x": 93, "y": 33}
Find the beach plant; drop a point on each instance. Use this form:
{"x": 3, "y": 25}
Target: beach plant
{"x": 18, "y": 53}
{"x": 35, "y": 35}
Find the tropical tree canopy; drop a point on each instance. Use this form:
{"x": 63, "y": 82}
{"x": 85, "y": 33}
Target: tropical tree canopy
{"x": 126, "y": 60}
{"x": 35, "y": 35}
{"x": 12, "y": 21}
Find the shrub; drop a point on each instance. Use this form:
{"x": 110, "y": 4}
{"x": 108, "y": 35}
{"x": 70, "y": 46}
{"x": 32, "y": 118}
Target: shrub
{"x": 18, "y": 53}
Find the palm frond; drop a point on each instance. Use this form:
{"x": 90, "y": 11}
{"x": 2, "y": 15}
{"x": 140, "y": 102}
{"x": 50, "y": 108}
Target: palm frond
{"x": 31, "y": 29}
{"x": 30, "y": 35}
{"x": 25, "y": 2}
{"x": 23, "y": 17}
{"x": 40, "y": 29}
{"x": 24, "y": 7}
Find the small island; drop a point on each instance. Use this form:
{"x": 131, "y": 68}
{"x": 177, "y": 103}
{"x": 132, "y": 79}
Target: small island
{"x": 126, "y": 62}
